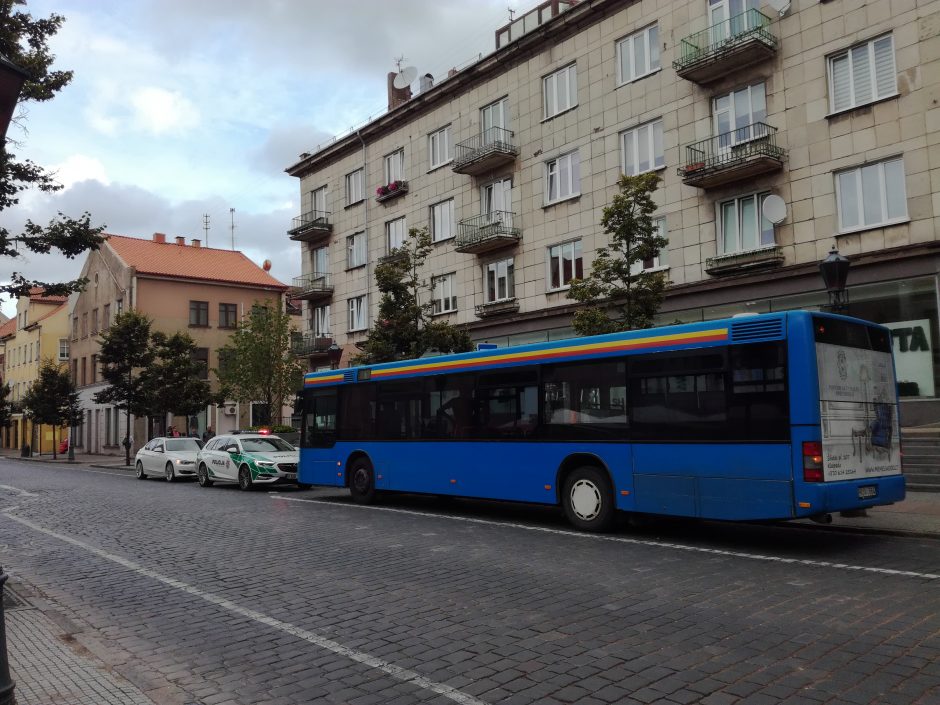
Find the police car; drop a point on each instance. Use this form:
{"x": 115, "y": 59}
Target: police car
{"x": 250, "y": 459}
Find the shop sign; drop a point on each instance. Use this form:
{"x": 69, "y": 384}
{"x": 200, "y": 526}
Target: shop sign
{"x": 913, "y": 359}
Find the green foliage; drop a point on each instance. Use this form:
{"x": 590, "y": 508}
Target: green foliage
{"x": 258, "y": 363}
{"x": 6, "y": 406}
{"x": 24, "y": 40}
{"x": 618, "y": 298}
{"x": 172, "y": 382}
{"x": 404, "y": 328}
{"x": 52, "y": 399}
{"x": 125, "y": 352}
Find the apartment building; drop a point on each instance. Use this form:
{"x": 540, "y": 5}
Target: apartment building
{"x": 828, "y": 110}
{"x": 38, "y": 332}
{"x": 180, "y": 286}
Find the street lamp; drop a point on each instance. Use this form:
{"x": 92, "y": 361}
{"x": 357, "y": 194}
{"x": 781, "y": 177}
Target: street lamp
{"x": 835, "y": 271}
{"x": 334, "y": 353}
{"x": 12, "y": 78}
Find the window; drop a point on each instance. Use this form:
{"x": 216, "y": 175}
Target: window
{"x": 642, "y": 148}
{"x": 94, "y": 369}
{"x": 74, "y": 327}
{"x": 355, "y": 191}
{"x": 638, "y": 54}
{"x": 394, "y": 234}
{"x": 439, "y": 147}
{"x": 358, "y": 314}
{"x": 871, "y": 195}
{"x": 320, "y": 321}
{"x": 84, "y": 370}
{"x": 563, "y": 176}
{"x": 863, "y": 74}
{"x": 742, "y": 226}
{"x": 653, "y": 263}
{"x": 319, "y": 202}
{"x": 506, "y": 404}
{"x": 394, "y": 166}
{"x": 445, "y": 293}
{"x": 106, "y": 317}
{"x": 94, "y": 321}
{"x": 63, "y": 348}
{"x": 564, "y": 264}
{"x": 119, "y": 307}
{"x": 739, "y": 116}
{"x": 320, "y": 259}
{"x": 560, "y": 90}
{"x": 199, "y": 313}
{"x": 30, "y": 352}
{"x": 201, "y": 358}
{"x": 442, "y": 220}
{"x": 228, "y": 315}
{"x": 356, "y": 250}
{"x": 107, "y": 426}
{"x": 85, "y": 325}
{"x": 585, "y": 400}
{"x": 495, "y": 199}
{"x": 498, "y": 282}
{"x": 494, "y": 115}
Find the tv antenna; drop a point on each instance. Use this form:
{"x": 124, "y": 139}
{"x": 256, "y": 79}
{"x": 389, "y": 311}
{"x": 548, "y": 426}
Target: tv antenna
{"x": 232, "y": 213}
{"x": 512, "y": 13}
{"x": 406, "y": 76}
{"x": 205, "y": 226}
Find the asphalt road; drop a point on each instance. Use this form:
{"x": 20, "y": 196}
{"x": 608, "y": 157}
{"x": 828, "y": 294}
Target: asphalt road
{"x": 221, "y": 596}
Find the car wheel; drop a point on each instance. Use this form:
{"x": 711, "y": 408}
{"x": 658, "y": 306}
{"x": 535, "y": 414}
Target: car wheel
{"x": 362, "y": 482}
{"x": 141, "y": 475}
{"x": 244, "y": 478}
{"x": 202, "y": 474}
{"x": 168, "y": 473}
{"x": 588, "y": 499}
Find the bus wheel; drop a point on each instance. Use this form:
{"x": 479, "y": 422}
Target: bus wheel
{"x": 362, "y": 482}
{"x": 588, "y": 500}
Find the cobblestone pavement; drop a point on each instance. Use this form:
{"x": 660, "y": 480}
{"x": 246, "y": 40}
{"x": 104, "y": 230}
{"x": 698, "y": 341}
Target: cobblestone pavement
{"x": 215, "y": 596}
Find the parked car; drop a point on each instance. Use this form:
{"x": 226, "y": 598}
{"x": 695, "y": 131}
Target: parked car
{"x": 171, "y": 457}
{"x": 250, "y": 459}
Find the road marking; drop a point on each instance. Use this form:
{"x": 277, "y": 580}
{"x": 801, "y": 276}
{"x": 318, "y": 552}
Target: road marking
{"x": 18, "y": 491}
{"x": 402, "y": 674}
{"x": 624, "y": 539}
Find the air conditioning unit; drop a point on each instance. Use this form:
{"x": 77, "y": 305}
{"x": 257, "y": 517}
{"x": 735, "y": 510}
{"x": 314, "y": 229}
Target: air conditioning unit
{"x": 229, "y": 410}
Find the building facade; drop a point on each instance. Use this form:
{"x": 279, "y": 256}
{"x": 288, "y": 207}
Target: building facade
{"x": 778, "y": 136}
{"x": 201, "y": 291}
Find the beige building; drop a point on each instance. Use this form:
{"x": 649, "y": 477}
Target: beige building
{"x": 180, "y": 286}
{"x": 778, "y": 135}
{"x": 38, "y": 332}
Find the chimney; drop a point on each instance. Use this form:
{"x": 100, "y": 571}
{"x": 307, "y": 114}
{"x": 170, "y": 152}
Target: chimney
{"x": 197, "y": 243}
{"x": 426, "y": 83}
{"x": 397, "y": 96}
{"x": 159, "y": 237}
{"x": 180, "y": 240}
{"x": 451, "y": 72}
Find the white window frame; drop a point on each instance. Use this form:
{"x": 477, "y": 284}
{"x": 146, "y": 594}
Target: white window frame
{"x": 495, "y": 114}
{"x": 626, "y": 48}
{"x": 357, "y": 313}
{"x": 320, "y": 201}
{"x": 320, "y": 321}
{"x": 646, "y": 135}
{"x": 553, "y": 170}
{"x": 567, "y": 77}
{"x": 660, "y": 263}
{"x": 395, "y": 166}
{"x": 558, "y": 252}
{"x": 443, "y": 226}
{"x": 63, "y": 349}
{"x": 320, "y": 260}
{"x": 739, "y": 134}
{"x": 849, "y": 55}
{"x": 444, "y": 294}
{"x": 504, "y": 270}
{"x": 440, "y": 149}
{"x": 738, "y": 200}
{"x": 391, "y": 228}
{"x": 355, "y": 187}
{"x": 878, "y": 168}
{"x": 357, "y": 253}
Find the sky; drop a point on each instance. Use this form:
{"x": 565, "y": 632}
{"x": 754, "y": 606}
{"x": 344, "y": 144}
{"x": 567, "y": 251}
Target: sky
{"x": 180, "y": 109}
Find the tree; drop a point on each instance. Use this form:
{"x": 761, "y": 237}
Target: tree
{"x": 49, "y": 400}
{"x": 258, "y": 364}
{"x": 174, "y": 383}
{"x": 125, "y": 351}
{"x": 405, "y": 328}
{"x": 24, "y": 40}
{"x": 616, "y": 285}
{"x": 6, "y": 406}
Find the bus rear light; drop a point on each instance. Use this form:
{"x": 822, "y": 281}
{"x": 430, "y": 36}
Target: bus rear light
{"x": 812, "y": 461}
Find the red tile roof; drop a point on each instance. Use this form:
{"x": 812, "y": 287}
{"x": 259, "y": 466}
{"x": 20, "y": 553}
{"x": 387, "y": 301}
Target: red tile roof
{"x": 167, "y": 259}
{"x": 8, "y": 328}
{"x": 38, "y": 295}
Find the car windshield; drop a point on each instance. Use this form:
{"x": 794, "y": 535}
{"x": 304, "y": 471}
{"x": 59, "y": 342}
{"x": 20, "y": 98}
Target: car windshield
{"x": 183, "y": 444}
{"x": 265, "y": 445}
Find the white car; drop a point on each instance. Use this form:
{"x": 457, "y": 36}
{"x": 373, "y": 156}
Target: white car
{"x": 172, "y": 458}
{"x": 250, "y": 459}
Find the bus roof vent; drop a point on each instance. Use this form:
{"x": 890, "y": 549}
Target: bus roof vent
{"x": 763, "y": 329}
{"x": 349, "y": 376}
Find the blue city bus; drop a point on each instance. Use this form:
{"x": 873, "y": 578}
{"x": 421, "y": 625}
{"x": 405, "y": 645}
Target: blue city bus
{"x": 772, "y": 416}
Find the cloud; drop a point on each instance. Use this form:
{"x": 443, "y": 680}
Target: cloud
{"x": 283, "y": 144}
{"x": 80, "y": 167}
{"x": 158, "y": 110}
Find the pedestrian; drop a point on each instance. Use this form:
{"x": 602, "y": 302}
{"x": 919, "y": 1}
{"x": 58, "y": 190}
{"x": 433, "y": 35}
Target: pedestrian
{"x": 174, "y": 432}
{"x": 207, "y": 434}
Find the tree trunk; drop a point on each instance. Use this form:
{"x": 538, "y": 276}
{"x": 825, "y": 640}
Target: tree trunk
{"x": 127, "y": 435}
{"x": 54, "y": 449}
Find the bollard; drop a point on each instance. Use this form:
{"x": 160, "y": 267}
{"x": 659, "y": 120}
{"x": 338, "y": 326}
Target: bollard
{"x": 6, "y": 683}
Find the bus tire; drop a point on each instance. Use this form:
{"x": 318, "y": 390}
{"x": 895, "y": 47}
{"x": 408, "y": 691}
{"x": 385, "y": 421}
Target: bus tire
{"x": 362, "y": 482}
{"x": 588, "y": 500}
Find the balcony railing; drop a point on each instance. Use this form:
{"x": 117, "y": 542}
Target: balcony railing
{"x": 490, "y": 149}
{"x": 391, "y": 191}
{"x": 310, "y": 344}
{"x": 732, "y": 156}
{"x": 310, "y": 226}
{"x": 396, "y": 254}
{"x": 314, "y": 285}
{"x": 729, "y": 45}
{"x": 486, "y": 232}
{"x": 739, "y": 262}
{"x": 497, "y": 308}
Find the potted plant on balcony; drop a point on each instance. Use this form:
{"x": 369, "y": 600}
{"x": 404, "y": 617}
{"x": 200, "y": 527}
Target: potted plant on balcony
{"x": 381, "y": 191}
{"x": 694, "y": 166}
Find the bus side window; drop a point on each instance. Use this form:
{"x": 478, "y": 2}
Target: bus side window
{"x": 758, "y": 407}
{"x": 506, "y": 404}
{"x": 357, "y": 411}
{"x": 319, "y": 420}
{"x": 585, "y": 400}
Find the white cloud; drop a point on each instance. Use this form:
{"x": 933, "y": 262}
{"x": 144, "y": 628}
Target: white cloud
{"x": 80, "y": 167}
{"x": 158, "y": 110}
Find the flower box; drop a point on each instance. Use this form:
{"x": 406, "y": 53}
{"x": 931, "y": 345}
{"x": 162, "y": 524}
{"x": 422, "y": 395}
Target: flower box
{"x": 391, "y": 190}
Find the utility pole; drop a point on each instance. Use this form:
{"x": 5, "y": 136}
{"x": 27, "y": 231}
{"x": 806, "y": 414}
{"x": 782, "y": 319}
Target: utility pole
{"x": 205, "y": 226}
{"x": 232, "y": 213}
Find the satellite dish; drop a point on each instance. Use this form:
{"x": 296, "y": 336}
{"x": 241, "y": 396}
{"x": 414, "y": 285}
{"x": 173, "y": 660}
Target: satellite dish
{"x": 781, "y": 6}
{"x": 405, "y": 77}
{"x": 774, "y": 209}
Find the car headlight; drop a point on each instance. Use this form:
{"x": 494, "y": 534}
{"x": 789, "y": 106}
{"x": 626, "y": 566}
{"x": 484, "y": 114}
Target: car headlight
{"x": 179, "y": 461}
{"x": 265, "y": 464}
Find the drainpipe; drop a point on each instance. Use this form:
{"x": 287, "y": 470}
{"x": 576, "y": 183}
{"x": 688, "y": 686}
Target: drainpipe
{"x": 365, "y": 224}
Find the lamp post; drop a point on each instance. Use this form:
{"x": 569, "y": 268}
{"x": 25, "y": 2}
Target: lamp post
{"x": 12, "y": 78}
{"x": 334, "y": 353}
{"x": 835, "y": 272}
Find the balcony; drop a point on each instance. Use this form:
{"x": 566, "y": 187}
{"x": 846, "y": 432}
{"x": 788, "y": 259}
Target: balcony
{"x": 397, "y": 254}
{"x": 732, "y": 156}
{"x": 725, "y": 48}
{"x": 741, "y": 262}
{"x": 490, "y": 231}
{"x": 310, "y": 226}
{"x": 315, "y": 285}
{"x": 489, "y": 150}
{"x": 310, "y": 345}
{"x": 497, "y": 308}
{"x": 391, "y": 191}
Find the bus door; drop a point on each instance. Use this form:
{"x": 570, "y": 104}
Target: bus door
{"x": 318, "y": 464}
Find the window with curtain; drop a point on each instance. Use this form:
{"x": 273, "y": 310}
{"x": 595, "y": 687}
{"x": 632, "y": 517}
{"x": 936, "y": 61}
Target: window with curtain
{"x": 560, "y": 90}
{"x": 563, "y": 177}
{"x": 638, "y": 54}
{"x": 871, "y": 195}
{"x": 642, "y": 148}
{"x": 564, "y": 264}
{"x": 741, "y": 225}
{"x": 862, "y": 74}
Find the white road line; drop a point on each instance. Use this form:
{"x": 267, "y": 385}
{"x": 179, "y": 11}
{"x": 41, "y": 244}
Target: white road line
{"x": 18, "y": 491}
{"x": 623, "y": 539}
{"x": 402, "y": 674}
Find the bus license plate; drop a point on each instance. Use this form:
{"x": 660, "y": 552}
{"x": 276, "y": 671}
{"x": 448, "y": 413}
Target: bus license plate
{"x": 867, "y": 492}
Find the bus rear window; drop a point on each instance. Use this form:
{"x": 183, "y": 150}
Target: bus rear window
{"x": 850, "y": 334}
